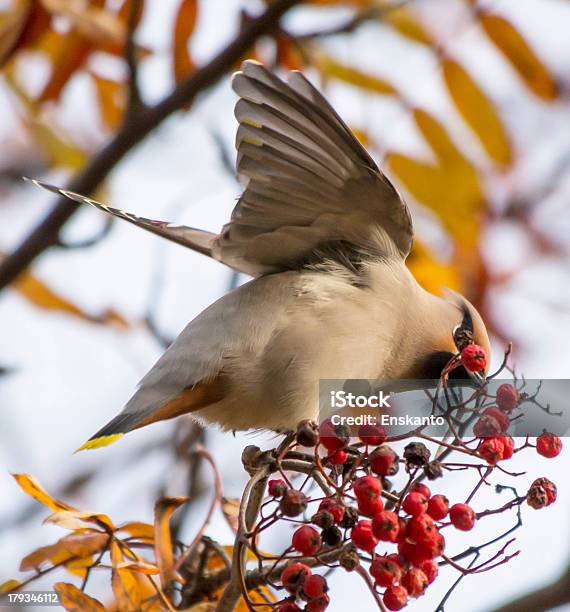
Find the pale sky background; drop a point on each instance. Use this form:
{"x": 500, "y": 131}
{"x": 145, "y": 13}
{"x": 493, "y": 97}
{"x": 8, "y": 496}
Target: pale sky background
{"x": 71, "y": 377}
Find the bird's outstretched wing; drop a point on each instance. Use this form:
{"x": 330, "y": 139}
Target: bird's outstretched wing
{"x": 310, "y": 186}
{"x": 308, "y": 182}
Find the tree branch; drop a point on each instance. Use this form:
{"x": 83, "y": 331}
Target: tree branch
{"x": 133, "y": 131}
{"x": 134, "y": 101}
{"x": 552, "y": 595}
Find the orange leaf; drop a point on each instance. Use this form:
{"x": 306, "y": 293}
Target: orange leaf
{"x": 125, "y": 586}
{"x": 76, "y": 519}
{"x": 452, "y": 191}
{"x": 33, "y": 488}
{"x": 403, "y": 21}
{"x": 68, "y": 52}
{"x": 75, "y": 545}
{"x": 163, "y": 510}
{"x": 142, "y": 531}
{"x": 430, "y": 272}
{"x": 111, "y": 96}
{"x": 21, "y": 27}
{"x": 183, "y": 29}
{"x": 39, "y": 294}
{"x": 521, "y": 56}
{"x": 331, "y": 68}
{"x": 436, "y": 135}
{"x": 74, "y": 600}
{"x": 478, "y": 111}
{"x": 9, "y": 585}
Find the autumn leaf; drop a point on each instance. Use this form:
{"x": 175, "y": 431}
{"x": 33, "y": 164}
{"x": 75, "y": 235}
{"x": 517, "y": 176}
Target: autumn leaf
{"x": 163, "y": 510}
{"x": 9, "y": 585}
{"x": 76, "y": 520}
{"x": 39, "y": 294}
{"x": 437, "y": 137}
{"x": 478, "y": 111}
{"x": 75, "y": 600}
{"x": 75, "y": 545}
{"x": 453, "y": 191}
{"x": 331, "y": 68}
{"x": 125, "y": 586}
{"x": 32, "y": 487}
{"x": 518, "y": 52}
{"x": 183, "y": 28}
{"x": 432, "y": 273}
{"x": 141, "y": 531}
{"x": 403, "y": 21}
{"x": 21, "y": 27}
{"x": 112, "y": 99}
{"x": 287, "y": 54}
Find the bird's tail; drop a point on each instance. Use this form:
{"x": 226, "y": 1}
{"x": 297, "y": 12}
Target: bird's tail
{"x": 116, "y": 428}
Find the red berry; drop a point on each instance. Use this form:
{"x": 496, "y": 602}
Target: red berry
{"x": 395, "y": 597}
{"x": 385, "y": 526}
{"x": 384, "y": 461}
{"x": 318, "y": 605}
{"x": 492, "y": 449}
{"x": 415, "y": 582}
{"x": 367, "y": 488}
{"x": 333, "y": 437}
{"x": 474, "y": 358}
{"x": 501, "y": 417}
{"x": 385, "y": 571}
{"x": 334, "y": 507}
{"x": 509, "y": 447}
{"x": 370, "y": 507}
{"x": 362, "y": 536}
{"x": 507, "y": 397}
{"x": 372, "y": 434}
{"x": 548, "y": 445}
{"x": 432, "y": 548}
{"x": 277, "y": 488}
{"x": 288, "y": 606}
{"x": 339, "y": 457}
{"x": 315, "y": 586}
{"x": 430, "y": 569}
{"x": 420, "y": 487}
{"x": 487, "y": 426}
{"x": 542, "y": 493}
{"x": 462, "y": 517}
{"x": 294, "y": 576}
{"x": 414, "y": 553}
{"x": 421, "y": 529}
{"x": 306, "y": 540}
{"x": 438, "y": 507}
{"x": 415, "y": 503}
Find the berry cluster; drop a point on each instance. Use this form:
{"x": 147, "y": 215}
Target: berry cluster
{"x": 355, "y": 517}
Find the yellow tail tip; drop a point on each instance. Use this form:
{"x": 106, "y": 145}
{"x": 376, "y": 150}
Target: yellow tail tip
{"x": 99, "y": 442}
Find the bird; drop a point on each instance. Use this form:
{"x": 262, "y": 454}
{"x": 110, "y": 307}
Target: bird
{"x": 325, "y": 236}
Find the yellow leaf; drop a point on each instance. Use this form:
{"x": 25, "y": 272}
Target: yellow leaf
{"x": 516, "y": 49}
{"x": 76, "y": 545}
{"x": 111, "y": 97}
{"x": 402, "y": 20}
{"x": 163, "y": 510}
{"x": 74, "y": 600}
{"x": 78, "y": 567}
{"x": 9, "y": 585}
{"x": 20, "y": 27}
{"x": 183, "y": 29}
{"x": 125, "y": 586}
{"x": 141, "y": 531}
{"x": 436, "y": 135}
{"x": 453, "y": 192}
{"x": 478, "y": 111}
{"x": 32, "y": 487}
{"x": 430, "y": 272}
{"x": 76, "y": 519}
{"x": 331, "y": 68}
